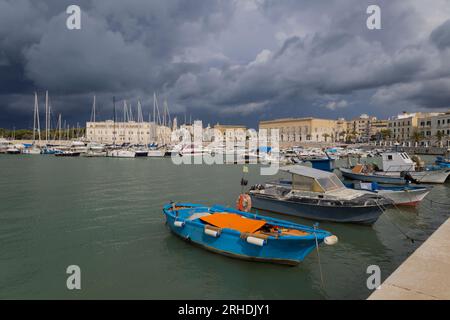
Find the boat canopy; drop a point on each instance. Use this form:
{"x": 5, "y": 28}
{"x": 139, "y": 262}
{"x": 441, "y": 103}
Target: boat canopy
{"x": 310, "y": 179}
{"x": 397, "y": 161}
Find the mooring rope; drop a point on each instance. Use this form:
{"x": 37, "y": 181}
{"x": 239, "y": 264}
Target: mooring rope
{"x": 318, "y": 257}
{"x": 437, "y": 202}
{"x": 383, "y": 209}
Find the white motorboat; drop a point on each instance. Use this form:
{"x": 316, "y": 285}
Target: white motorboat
{"x": 13, "y": 150}
{"x": 95, "y": 150}
{"x": 32, "y": 150}
{"x": 121, "y": 153}
{"x": 79, "y": 146}
{"x": 156, "y": 153}
{"x": 4, "y": 145}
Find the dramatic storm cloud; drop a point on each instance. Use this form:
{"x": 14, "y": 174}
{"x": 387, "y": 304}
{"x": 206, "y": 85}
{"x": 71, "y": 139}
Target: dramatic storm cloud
{"x": 232, "y": 61}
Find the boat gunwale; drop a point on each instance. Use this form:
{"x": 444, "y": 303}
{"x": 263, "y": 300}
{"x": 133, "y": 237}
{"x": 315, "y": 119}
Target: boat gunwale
{"x": 271, "y": 197}
{"x": 312, "y": 233}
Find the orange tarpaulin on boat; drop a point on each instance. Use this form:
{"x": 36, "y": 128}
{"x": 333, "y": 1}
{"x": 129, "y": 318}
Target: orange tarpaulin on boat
{"x": 358, "y": 168}
{"x": 233, "y": 221}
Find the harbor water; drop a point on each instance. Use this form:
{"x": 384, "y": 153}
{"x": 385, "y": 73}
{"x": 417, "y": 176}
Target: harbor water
{"x": 104, "y": 215}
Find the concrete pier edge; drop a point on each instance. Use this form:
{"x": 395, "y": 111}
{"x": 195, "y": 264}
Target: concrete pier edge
{"x": 425, "y": 275}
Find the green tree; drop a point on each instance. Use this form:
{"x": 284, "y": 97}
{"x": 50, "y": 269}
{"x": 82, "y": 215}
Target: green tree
{"x": 386, "y": 133}
{"x": 417, "y": 136}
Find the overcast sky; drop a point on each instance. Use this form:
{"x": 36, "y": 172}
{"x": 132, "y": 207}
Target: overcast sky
{"x": 230, "y": 61}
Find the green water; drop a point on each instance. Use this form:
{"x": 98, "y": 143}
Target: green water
{"x": 104, "y": 215}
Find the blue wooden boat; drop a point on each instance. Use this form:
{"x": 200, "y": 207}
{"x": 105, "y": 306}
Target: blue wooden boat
{"x": 244, "y": 235}
{"x": 442, "y": 162}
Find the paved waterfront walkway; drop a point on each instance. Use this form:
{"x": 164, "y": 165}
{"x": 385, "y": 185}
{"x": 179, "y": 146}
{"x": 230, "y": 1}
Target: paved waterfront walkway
{"x": 425, "y": 274}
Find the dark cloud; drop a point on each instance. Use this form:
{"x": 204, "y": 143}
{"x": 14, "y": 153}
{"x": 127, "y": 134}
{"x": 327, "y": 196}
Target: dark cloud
{"x": 441, "y": 35}
{"x": 225, "y": 60}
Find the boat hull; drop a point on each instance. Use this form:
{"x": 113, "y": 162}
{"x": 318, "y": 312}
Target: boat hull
{"x": 67, "y": 154}
{"x": 433, "y": 176}
{"x": 405, "y": 197}
{"x": 231, "y": 243}
{"x": 121, "y": 154}
{"x": 366, "y": 215}
{"x": 156, "y": 154}
{"x": 347, "y": 173}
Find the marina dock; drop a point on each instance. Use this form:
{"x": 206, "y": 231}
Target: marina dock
{"x": 424, "y": 275}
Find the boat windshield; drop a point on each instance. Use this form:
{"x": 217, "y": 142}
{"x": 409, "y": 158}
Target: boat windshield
{"x": 331, "y": 183}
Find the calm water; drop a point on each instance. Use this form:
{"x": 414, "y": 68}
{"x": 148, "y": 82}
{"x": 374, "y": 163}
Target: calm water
{"x": 105, "y": 216}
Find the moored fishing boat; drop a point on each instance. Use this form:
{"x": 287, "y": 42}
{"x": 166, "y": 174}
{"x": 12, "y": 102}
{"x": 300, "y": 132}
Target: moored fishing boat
{"x": 318, "y": 195}
{"x": 407, "y": 195}
{"x": 443, "y": 162}
{"x": 397, "y": 168}
{"x": 244, "y": 235}
{"x": 401, "y": 195}
{"x": 356, "y": 173}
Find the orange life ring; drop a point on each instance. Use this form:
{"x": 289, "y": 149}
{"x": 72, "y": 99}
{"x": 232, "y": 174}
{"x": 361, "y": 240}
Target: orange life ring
{"x": 244, "y": 203}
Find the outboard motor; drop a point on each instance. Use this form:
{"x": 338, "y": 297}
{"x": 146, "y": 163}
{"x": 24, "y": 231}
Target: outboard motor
{"x": 408, "y": 177}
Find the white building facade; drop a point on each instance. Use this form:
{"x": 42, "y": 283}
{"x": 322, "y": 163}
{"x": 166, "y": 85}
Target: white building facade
{"x": 110, "y": 132}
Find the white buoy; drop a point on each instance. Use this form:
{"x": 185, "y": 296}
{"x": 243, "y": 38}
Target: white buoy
{"x": 179, "y": 224}
{"x": 331, "y": 240}
{"x": 256, "y": 241}
{"x": 212, "y": 233}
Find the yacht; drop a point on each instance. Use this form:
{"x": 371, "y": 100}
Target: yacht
{"x": 4, "y": 145}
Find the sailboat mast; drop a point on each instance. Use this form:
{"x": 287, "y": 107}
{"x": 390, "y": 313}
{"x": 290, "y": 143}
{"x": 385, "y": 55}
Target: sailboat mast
{"x": 59, "y": 127}
{"x": 46, "y": 116}
{"x": 37, "y": 121}
{"x": 34, "y": 117}
{"x": 154, "y": 107}
{"x": 114, "y": 120}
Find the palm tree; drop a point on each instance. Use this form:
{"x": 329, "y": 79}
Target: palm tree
{"x": 439, "y": 136}
{"x": 386, "y": 133}
{"x": 325, "y": 136}
{"x": 417, "y": 136}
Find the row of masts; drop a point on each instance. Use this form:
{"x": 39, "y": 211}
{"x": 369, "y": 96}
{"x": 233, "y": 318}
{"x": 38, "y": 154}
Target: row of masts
{"x": 161, "y": 120}
{"x": 62, "y": 130}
